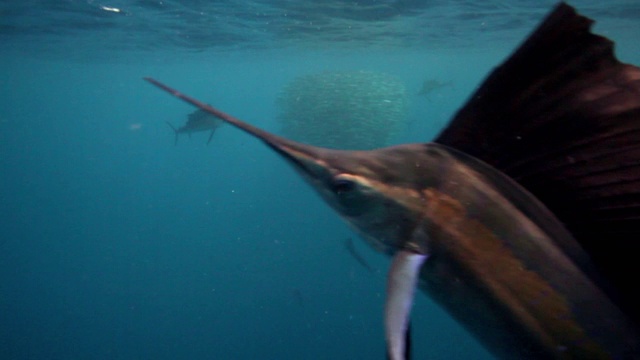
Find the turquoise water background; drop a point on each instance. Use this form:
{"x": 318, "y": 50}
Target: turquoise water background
{"x": 116, "y": 244}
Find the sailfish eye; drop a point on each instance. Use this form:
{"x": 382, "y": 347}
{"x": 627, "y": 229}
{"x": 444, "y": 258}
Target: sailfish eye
{"x": 342, "y": 185}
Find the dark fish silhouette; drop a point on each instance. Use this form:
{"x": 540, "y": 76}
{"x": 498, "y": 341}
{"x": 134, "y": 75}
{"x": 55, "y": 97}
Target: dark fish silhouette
{"x": 522, "y": 219}
{"x": 351, "y": 248}
{"x": 431, "y": 85}
{"x": 197, "y": 121}
{"x": 297, "y": 296}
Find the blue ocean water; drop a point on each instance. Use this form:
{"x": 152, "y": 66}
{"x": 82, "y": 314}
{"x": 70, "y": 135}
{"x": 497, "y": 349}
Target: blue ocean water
{"x": 116, "y": 244}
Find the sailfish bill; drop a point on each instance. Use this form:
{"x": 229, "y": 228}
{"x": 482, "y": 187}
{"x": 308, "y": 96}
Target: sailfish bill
{"x": 512, "y": 220}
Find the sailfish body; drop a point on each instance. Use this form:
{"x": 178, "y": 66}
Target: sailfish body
{"x": 496, "y": 258}
{"x": 489, "y": 219}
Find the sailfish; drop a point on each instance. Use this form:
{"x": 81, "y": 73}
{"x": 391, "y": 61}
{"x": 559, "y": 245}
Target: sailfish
{"x": 522, "y": 217}
{"x": 197, "y": 121}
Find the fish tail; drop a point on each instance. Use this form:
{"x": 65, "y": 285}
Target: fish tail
{"x": 175, "y": 131}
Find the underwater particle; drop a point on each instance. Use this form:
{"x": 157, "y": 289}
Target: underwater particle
{"x": 354, "y": 110}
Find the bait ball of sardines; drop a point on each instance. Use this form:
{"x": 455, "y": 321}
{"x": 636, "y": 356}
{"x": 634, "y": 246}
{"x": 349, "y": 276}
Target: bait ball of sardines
{"x": 344, "y": 110}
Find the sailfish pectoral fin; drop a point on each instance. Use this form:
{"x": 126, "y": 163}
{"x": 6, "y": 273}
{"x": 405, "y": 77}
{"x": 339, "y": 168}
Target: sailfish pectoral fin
{"x": 401, "y": 286}
{"x": 211, "y": 136}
